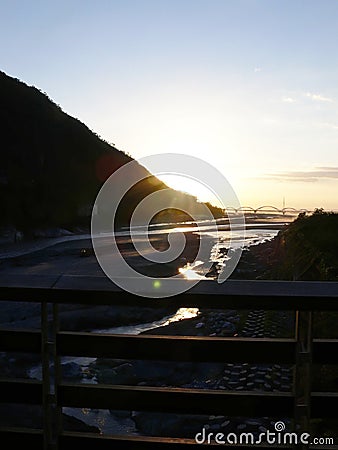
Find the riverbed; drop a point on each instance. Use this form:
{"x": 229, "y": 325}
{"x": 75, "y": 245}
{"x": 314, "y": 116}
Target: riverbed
{"x": 63, "y": 257}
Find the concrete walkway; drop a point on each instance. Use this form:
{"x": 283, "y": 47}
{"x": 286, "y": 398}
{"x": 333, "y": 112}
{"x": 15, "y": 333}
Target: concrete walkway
{"x": 13, "y": 250}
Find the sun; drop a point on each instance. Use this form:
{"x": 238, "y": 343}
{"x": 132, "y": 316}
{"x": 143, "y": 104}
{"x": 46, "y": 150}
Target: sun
{"x": 191, "y": 186}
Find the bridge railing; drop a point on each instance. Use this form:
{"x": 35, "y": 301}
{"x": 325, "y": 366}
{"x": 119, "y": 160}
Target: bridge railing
{"x": 302, "y": 351}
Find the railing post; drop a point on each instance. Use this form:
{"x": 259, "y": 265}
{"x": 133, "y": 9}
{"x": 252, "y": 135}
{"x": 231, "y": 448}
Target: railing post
{"x": 46, "y": 391}
{"x": 51, "y": 414}
{"x": 303, "y": 376}
{"x": 57, "y": 375}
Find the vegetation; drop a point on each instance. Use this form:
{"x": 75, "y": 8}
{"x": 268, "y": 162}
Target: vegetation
{"x": 52, "y": 164}
{"x": 307, "y": 249}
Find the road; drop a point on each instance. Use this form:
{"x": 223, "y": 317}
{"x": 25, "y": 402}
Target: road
{"x": 14, "y": 250}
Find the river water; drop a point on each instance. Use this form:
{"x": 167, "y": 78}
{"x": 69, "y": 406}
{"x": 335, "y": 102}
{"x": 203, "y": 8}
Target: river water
{"x": 257, "y": 230}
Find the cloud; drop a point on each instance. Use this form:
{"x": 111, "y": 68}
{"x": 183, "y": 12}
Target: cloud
{"x": 288, "y": 100}
{"x": 310, "y": 176}
{"x": 318, "y": 98}
{"x": 258, "y": 69}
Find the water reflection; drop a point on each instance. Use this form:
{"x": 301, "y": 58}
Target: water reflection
{"x": 189, "y": 273}
{"x": 181, "y": 313}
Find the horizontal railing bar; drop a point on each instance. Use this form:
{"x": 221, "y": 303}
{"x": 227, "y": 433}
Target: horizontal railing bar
{"x": 12, "y": 340}
{"x": 98, "y": 345}
{"x": 178, "y": 400}
{"x": 324, "y": 405}
{"x": 237, "y": 294}
{"x": 21, "y": 437}
{"x": 230, "y": 286}
{"x": 324, "y": 446}
{"x": 324, "y": 351}
{"x": 20, "y": 391}
{"x": 71, "y": 440}
{"x": 177, "y": 348}
{"x": 249, "y": 302}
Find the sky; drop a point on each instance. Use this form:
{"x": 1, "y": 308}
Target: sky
{"x": 250, "y": 86}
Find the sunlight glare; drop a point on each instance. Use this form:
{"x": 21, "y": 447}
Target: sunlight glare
{"x": 192, "y": 187}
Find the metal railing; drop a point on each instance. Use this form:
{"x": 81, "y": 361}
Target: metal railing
{"x": 301, "y": 351}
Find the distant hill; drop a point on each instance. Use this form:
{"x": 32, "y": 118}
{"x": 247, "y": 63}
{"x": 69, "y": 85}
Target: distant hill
{"x": 53, "y": 165}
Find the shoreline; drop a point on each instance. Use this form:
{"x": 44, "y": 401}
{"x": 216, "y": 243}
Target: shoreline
{"x": 67, "y": 258}
{"x": 10, "y": 249}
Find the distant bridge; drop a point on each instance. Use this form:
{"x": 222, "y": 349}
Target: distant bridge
{"x": 268, "y": 209}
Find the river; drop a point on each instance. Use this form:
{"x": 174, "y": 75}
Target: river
{"x": 257, "y": 230}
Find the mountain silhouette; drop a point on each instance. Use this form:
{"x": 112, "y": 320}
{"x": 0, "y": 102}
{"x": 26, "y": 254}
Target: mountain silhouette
{"x": 53, "y": 165}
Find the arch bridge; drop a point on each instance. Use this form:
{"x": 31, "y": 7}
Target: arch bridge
{"x": 267, "y": 209}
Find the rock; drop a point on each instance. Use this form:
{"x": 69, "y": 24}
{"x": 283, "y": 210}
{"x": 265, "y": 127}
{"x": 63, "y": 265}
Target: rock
{"x": 87, "y": 251}
{"x": 225, "y": 424}
{"x": 120, "y": 413}
{"x": 71, "y": 423}
{"x": 253, "y": 423}
{"x": 120, "y": 374}
{"x": 70, "y": 370}
{"x": 124, "y": 374}
{"x": 285, "y": 388}
{"x": 228, "y": 326}
{"x": 12, "y": 367}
